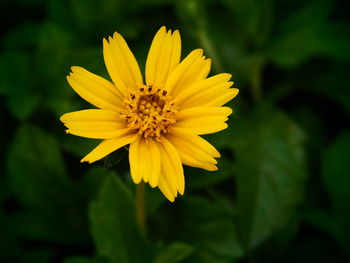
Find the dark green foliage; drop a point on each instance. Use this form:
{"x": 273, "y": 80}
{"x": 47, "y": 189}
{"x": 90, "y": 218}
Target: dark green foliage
{"x": 211, "y": 227}
{"x": 270, "y": 175}
{"x": 282, "y": 190}
{"x": 113, "y": 224}
{"x": 174, "y": 253}
{"x": 335, "y": 173}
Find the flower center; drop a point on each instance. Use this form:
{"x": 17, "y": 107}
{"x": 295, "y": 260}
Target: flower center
{"x": 150, "y": 111}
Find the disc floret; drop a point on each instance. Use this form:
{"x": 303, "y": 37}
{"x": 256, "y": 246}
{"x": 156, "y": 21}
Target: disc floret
{"x": 149, "y": 111}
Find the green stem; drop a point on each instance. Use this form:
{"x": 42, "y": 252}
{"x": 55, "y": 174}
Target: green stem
{"x": 140, "y": 206}
{"x": 209, "y": 47}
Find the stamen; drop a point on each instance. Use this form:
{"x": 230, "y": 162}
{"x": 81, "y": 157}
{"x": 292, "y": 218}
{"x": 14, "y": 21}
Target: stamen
{"x": 149, "y": 114}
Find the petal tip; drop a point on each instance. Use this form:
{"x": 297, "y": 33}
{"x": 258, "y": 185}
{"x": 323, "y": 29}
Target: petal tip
{"x": 63, "y": 118}
{"x": 136, "y": 180}
{"x": 228, "y": 76}
{"x": 105, "y": 42}
{"x": 182, "y": 191}
{"x": 199, "y": 51}
{"x": 74, "y": 69}
{"x": 153, "y": 183}
{"x": 229, "y": 111}
{"x": 176, "y": 32}
{"x": 86, "y": 160}
{"x": 215, "y": 153}
{"x": 211, "y": 168}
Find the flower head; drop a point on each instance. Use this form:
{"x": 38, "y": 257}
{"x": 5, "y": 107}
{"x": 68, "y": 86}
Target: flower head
{"x": 160, "y": 118}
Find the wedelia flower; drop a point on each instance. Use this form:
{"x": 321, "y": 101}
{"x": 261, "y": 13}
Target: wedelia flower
{"x": 160, "y": 118}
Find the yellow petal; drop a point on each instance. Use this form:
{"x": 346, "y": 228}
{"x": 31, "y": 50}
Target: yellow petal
{"x": 94, "y": 123}
{"x": 121, "y": 64}
{"x": 199, "y": 141}
{"x": 91, "y": 115}
{"x": 203, "y": 120}
{"x": 164, "y": 188}
{"x": 94, "y": 89}
{"x": 135, "y": 173}
{"x": 172, "y": 170}
{"x": 193, "y": 150}
{"x": 108, "y": 134}
{"x": 164, "y": 55}
{"x": 144, "y": 158}
{"x": 202, "y": 126}
{"x": 197, "y": 112}
{"x": 204, "y": 92}
{"x": 191, "y": 70}
{"x": 221, "y": 100}
{"x": 154, "y": 152}
{"x": 108, "y": 146}
{"x": 201, "y": 70}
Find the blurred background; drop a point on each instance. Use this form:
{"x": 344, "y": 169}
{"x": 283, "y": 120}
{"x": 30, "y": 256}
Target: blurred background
{"x": 282, "y": 191}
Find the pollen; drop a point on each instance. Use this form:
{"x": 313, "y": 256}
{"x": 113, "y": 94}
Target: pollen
{"x": 149, "y": 111}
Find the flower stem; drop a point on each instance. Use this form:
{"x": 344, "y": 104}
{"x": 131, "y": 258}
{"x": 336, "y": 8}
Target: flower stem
{"x": 140, "y": 207}
{"x": 209, "y": 47}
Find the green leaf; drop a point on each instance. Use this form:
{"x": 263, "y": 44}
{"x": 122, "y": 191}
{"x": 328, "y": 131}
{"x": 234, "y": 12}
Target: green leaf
{"x": 174, "y": 253}
{"x": 153, "y": 200}
{"x": 209, "y": 227}
{"x": 220, "y": 236}
{"x": 253, "y": 16}
{"x": 201, "y": 179}
{"x": 336, "y": 173}
{"x": 308, "y": 33}
{"x": 17, "y": 83}
{"x": 92, "y": 180}
{"x": 114, "y": 227}
{"x": 35, "y": 166}
{"x": 53, "y": 59}
{"x": 192, "y": 12}
{"x": 324, "y": 220}
{"x": 271, "y": 173}
{"x": 53, "y": 208}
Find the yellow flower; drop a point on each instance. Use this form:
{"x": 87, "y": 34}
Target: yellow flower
{"x": 162, "y": 118}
